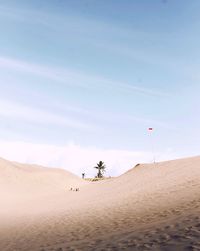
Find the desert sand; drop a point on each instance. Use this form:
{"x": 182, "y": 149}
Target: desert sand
{"x": 150, "y": 207}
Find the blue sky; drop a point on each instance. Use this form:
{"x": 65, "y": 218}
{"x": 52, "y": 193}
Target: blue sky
{"x": 89, "y": 78}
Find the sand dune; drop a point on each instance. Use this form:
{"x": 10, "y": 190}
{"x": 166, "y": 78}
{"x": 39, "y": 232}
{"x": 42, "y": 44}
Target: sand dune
{"x": 151, "y": 207}
{"x": 25, "y": 185}
{"x": 34, "y": 178}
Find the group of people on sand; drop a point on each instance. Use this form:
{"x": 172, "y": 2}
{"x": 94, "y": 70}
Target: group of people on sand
{"x": 74, "y": 189}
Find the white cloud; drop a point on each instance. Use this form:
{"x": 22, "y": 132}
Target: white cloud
{"x": 76, "y": 158}
{"x": 53, "y": 73}
{"x": 17, "y": 111}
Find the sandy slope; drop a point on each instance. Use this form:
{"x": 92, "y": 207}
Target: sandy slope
{"x": 34, "y": 177}
{"x": 151, "y": 207}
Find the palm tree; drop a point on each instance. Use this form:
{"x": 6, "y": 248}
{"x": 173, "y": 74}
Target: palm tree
{"x": 101, "y": 169}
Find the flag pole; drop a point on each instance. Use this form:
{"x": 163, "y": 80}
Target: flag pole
{"x": 150, "y": 129}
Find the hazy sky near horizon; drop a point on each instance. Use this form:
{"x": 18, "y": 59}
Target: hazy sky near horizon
{"x": 83, "y": 80}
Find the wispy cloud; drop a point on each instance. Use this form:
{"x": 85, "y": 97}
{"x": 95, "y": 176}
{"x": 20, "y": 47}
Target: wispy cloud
{"x": 138, "y": 89}
{"x": 15, "y": 110}
{"x": 106, "y": 37}
{"x": 76, "y": 23}
{"x": 106, "y": 34}
{"x": 157, "y": 58}
{"x": 70, "y": 77}
{"x": 53, "y": 73}
{"x": 150, "y": 122}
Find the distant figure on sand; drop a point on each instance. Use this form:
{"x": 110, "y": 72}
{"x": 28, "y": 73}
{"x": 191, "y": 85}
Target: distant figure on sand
{"x": 74, "y": 189}
{"x": 83, "y": 175}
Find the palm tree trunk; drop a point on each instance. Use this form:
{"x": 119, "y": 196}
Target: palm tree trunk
{"x": 99, "y": 173}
